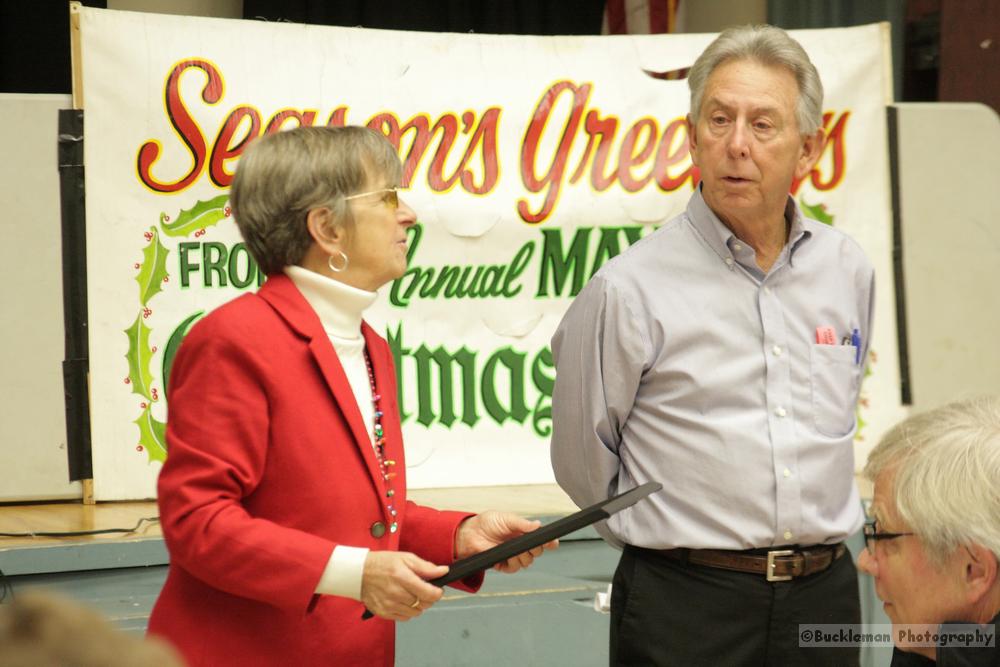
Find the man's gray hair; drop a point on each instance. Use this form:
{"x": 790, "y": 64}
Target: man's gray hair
{"x": 282, "y": 176}
{"x": 947, "y": 474}
{"x": 769, "y": 46}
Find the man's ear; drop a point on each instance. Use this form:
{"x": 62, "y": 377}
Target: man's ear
{"x": 324, "y": 231}
{"x": 980, "y": 572}
{"x": 812, "y": 146}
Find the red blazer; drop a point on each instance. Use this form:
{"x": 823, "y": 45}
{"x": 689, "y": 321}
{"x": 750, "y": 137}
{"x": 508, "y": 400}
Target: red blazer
{"x": 269, "y": 467}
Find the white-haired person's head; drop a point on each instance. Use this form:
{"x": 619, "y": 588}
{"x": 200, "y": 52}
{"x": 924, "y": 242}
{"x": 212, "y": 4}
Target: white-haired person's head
{"x": 934, "y": 543}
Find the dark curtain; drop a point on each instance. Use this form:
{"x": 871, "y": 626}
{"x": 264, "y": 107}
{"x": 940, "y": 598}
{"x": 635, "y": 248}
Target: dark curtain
{"x": 800, "y": 14}
{"x": 34, "y": 45}
{"x": 514, "y": 17}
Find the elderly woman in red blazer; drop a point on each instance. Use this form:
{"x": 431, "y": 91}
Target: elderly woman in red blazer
{"x": 283, "y": 498}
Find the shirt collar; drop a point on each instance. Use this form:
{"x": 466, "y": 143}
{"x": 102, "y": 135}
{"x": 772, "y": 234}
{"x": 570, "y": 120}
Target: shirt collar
{"x": 720, "y": 237}
{"x": 340, "y": 307}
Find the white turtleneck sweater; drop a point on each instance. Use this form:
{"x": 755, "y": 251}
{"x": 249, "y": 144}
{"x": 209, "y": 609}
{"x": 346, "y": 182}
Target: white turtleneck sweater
{"x": 340, "y": 308}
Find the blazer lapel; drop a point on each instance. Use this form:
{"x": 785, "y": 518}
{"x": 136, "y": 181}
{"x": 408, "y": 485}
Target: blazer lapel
{"x": 282, "y": 295}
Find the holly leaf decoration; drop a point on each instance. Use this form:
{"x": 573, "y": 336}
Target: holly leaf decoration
{"x": 861, "y": 426}
{"x": 202, "y": 215}
{"x": 153, "y": 269}
{"x": 817, "y": 212}
{"x": 138, "y": 356}
{"x": 152, "y": 435}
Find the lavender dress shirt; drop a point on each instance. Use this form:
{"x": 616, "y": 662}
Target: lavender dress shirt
{"x": 682, "y": 362}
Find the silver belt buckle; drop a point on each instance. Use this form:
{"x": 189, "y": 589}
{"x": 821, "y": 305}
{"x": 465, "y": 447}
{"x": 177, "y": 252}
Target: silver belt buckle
{"x": 771, "y": 555}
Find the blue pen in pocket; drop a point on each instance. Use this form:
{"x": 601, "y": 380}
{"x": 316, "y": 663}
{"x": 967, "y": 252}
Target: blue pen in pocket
{"x": 856, "y": 342}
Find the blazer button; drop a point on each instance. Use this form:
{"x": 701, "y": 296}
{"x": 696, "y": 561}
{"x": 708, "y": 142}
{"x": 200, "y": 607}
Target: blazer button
{"x": 378, "y": 529}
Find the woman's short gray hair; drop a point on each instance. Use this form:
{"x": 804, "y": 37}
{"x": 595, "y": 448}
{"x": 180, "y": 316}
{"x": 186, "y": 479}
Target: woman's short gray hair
{"x": 282, "y": 176}
{"x": 769, "y": 46}
{"x": 947, "y": 474}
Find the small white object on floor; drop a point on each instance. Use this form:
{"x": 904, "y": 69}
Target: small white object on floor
{"x": 602, "y": 601}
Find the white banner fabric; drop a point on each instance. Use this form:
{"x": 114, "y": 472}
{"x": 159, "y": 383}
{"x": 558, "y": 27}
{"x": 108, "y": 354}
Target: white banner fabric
{"x": 529, "y": 160}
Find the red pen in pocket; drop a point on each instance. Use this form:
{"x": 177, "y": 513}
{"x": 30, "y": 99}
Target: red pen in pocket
{"x": 826, "y": 336}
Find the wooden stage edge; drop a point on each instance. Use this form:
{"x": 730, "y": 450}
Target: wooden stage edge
{"x": 142, "y": 547}
{"x": 541, "y": 500}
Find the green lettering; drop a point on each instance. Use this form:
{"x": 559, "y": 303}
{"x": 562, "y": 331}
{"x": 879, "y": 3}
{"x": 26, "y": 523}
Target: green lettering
{"x": 492, "y": 281}
{"x": 174, "y": 344}
{"x": 560, "y": 264}
{"x": 514, "y": 362}
{"x": 415, "y": 274}
{"x": 213, "y": 257}
{"x": 395, "y": 340}
{"x": 457, "y": 288}
{"x": 517, "y": 266}
{"x": 445, "y": 379}
{"x": 541, "y": 419}
{"x": 187, "y": 268}
{"x": 239, "y": 252}
{"x": 607, "y": 247}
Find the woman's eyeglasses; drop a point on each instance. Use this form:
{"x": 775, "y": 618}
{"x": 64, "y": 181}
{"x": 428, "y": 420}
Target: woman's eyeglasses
{"x": 872, "y": 535}
{"x": 390, "y": 196}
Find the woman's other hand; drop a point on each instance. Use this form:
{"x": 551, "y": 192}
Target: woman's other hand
{"x": 487, "y": 530}
{"x": 394, "y": 584}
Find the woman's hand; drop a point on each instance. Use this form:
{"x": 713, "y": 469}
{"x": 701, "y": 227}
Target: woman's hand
{"x": 487, "y": 530}
{"x": 394, "y": 584}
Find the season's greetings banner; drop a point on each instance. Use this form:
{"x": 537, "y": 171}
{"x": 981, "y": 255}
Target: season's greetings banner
{"x": 530, "y": 161}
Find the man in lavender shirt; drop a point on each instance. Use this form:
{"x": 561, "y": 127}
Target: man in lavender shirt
{"x": 722, "y": 356}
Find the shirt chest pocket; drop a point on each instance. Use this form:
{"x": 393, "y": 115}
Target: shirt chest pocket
{"x": 835, "y": 379}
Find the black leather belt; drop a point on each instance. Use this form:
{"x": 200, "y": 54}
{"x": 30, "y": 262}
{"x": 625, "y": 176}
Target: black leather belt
{"x": 775, "y": 564}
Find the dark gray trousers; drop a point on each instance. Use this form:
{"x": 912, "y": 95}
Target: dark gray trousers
{"x": 666, "y": 613}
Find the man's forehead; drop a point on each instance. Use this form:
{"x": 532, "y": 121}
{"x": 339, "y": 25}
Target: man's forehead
{"x": 745, "y": 83}
{"x": 747, "y": 64}
{"x": 731, "y": 100}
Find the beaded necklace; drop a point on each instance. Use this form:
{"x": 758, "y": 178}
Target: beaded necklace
{"x": 383, "y": 463}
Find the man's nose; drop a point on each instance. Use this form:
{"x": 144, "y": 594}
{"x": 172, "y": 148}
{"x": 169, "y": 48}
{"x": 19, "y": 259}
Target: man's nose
{"x": 739, "y": 141}
{"x": 867, "y": 563}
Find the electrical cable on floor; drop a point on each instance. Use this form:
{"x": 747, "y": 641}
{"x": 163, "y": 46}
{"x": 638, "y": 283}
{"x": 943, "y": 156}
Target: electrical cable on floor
{"x": 80, "y": 533}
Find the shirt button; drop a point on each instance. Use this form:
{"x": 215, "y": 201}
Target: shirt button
{"x": 737, "y": 246}
{"x": 378, "y": 529}
{"x": 777, "y": 350}
{"x": 788, "y": 534}
{"x": 729, "y": 262}
{"x": 767, "y": 290}
{"x": 787, "y": 472}
{"x": 781, "y": 412}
